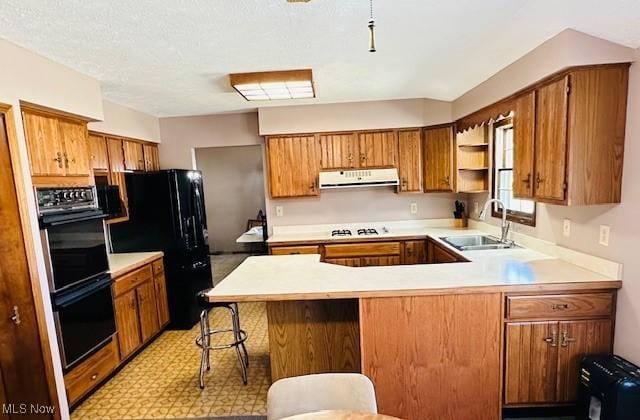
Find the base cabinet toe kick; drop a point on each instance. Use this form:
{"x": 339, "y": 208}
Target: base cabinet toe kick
{"x": 450, "y": 356}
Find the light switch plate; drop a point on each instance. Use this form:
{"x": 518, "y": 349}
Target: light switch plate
{"x": 414, "y": 208}
{"x": 566, "y": 227}
{"x": 604, "y": 235}
{"x": 279, "y": 211}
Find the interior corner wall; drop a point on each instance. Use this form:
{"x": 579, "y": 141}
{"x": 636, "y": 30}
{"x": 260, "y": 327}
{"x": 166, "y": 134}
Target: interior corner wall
{"x": 127, "y": 122}
{"x": 573, "y": 48}
{"x": 26, "y": 76}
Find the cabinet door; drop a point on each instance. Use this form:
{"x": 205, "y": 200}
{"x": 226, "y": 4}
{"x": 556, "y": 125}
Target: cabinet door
{"x": 116, "y": 155}
{"x": 338, "y": 151}
{"x": 98, "y": 152}
{"x": 76, "y": 147}
{"x": 410, "y": 160}
{"x": 551, "y": 140}
{"x": 293, "y": 166}
{"x": 44, "y": 144}
{"x": 126, "y": 309}
{"x": 148, "y": 310}
{"x": 380, "y": 261}
{"x": 133, "y": 155}
{"x": 415, "y": 252}
{"x": 161, "y": 299}
{"x": 531, "y": 357}
{"x": 578, "y": 338}
{"x": 349, "y": 262}
{"x": 438, "y": 159}
{"x": 151, "y": 158}
{"x": 378, "y": 149}
{"x": 436, "y": 254}
{"x": 523, "y": 141}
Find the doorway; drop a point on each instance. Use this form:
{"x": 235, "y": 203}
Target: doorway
{"x": 233, "y": 180}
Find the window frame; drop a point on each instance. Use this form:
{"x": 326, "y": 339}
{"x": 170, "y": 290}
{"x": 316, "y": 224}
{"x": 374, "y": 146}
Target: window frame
{"x": 512, "y": 215}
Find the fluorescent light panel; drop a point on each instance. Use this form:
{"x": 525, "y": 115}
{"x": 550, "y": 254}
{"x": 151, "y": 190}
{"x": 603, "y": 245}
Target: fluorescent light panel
{"x": 274, "y": 85}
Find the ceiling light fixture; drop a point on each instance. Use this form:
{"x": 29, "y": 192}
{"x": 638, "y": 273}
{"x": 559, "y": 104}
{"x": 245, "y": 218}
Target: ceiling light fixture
{"x": 372, "y": 35}
{"x": 271, "y": 85}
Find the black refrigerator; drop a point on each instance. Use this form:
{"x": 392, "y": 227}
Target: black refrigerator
{"x": 167, "y": 213}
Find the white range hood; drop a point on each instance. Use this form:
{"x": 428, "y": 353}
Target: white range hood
{"x": 359, "y": 178}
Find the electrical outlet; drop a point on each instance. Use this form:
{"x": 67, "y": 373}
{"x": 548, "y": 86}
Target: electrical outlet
{"x": 279, "y": 211}
{"x": 566, "y": 227}
{"x": 414, "y": 208}
{"x": 476, "y": 207}
{"x": 604, "y": 235}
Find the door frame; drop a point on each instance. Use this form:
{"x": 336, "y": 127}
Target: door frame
{"x": 17, "y": 169}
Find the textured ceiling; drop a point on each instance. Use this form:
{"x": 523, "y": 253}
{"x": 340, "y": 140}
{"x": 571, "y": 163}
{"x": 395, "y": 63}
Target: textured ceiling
{"x": 172, "y": 57}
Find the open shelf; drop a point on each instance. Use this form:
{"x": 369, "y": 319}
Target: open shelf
{"x": 472, "y": 160}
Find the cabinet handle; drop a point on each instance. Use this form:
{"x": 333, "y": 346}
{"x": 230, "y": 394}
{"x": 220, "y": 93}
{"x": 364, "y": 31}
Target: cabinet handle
{"x": 94, "y": 376}
{"x": 553, "y": 340}
{"x": 445, "y": 180}
{"x": 538, "y": 180}
{"x": 350, "y": 157}
{"x": 559, "y": 306}
{"x": 566, "y": 339}
{"x": 66, "y": 160}
{"x": 363, "y": 157}
{"x": 527, "y": 181}
{"x": 58, "y": 159}
{"x": 15, "y": 315}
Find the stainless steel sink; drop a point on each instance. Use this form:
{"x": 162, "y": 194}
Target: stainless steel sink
{"x": 477, "y": 242}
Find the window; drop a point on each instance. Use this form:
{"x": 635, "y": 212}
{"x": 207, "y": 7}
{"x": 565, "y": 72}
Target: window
{"x": 518, "y": 210}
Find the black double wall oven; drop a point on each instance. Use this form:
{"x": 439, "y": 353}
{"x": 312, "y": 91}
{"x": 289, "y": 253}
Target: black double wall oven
{"x": 75, "y": 248}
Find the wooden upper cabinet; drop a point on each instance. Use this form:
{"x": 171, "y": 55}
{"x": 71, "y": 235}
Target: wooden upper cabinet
{"x": 44, "y": 144}
{"x": 133, "y": 155}
{"x": 339, "y": 151}
{"x": 98, "y": 152}
{"x": 116, "y": 154}
{"x": 151, "y": 157}
{"x": 551, "y": 140}
{"x": 523, "y": 144}
{"x": 378, "y": 149}
{"x": 293, "y": 166}
{"x": 531, "y": 356}
{"x": 410, "y": 160}
{"x": 438, "y": 159}
{"x": 76, "y": 147}
{"x": 577, "y": 338}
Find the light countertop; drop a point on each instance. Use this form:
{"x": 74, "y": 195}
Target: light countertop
{"x": 120, "y": 264}
{"x": 293, "y": 277}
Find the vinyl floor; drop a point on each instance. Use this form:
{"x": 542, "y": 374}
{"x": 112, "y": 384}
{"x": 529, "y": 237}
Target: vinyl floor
{"x": 162, "y": 380}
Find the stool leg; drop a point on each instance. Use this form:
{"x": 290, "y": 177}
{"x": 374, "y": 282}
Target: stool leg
{"x": 244, "y": 348}
{"x": 208, "y": 334}
{"x": 203, "y": 337}
{"x": 236, "y": 335}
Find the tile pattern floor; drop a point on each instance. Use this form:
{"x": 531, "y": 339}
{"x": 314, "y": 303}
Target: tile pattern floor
{"x": 162, "y": 381}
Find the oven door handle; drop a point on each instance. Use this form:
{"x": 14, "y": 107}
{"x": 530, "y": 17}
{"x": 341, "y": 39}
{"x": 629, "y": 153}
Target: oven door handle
{"x": 67, "y": 299}
{"x": 66, "y": 219}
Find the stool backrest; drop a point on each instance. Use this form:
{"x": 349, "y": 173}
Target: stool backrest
{"x": 326, "y": 391}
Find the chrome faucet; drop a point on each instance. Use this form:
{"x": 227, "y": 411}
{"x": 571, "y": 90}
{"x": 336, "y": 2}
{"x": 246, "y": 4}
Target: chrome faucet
{"x": 505, "y": 225}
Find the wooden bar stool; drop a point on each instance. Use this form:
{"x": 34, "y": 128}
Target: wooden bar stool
{"x": 204, "y": 339}
{"x": 326, "y": 391}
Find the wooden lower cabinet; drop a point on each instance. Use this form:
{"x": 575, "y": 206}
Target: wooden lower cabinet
{"x": 148, "y": 310}
{"x": 378, "y": 261}
{"x": 295, "y": 250}
{"x": 128, "y": 323}
{"x": 415, "y": 252}
{"x": 349, "y": 262}
{"x": 438, "y": 254}
{"x": 161, "y": 298}
{"x": 91, "y": 372}
{"x": 542, "y": 358}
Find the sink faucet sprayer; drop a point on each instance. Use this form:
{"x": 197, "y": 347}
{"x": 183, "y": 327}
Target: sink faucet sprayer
{"x": 505, "y": 225}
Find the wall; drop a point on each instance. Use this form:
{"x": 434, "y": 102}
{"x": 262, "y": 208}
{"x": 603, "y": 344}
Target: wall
{"x": 586, "y": 221}
{"x": 25, "y": 76}
{"x": 180, "y": 135}
{"x": 234, "y": 192}
{"x": 353, "y": 116}
{"x": 127, "y": 122}
{"x": 568, "y": 48}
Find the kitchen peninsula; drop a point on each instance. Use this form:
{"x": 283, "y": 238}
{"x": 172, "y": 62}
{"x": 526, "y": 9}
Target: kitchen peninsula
{"x": 461, "y": 340}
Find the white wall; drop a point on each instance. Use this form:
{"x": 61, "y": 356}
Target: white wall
{"x": 29, "y": 77}
{"x": 127, "y": 122}
{"x": 577, "y": 49}
{"x": 353, "y": 116}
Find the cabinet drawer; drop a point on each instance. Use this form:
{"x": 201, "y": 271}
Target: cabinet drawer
{"x": 132, "y": 280}
{"x": 158, "y": 267}
{"x": 292, "y": 250}
{"x": 559, "y": 306}
{"x": 362, "y": 249}
{"x": 91, "y": 372}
